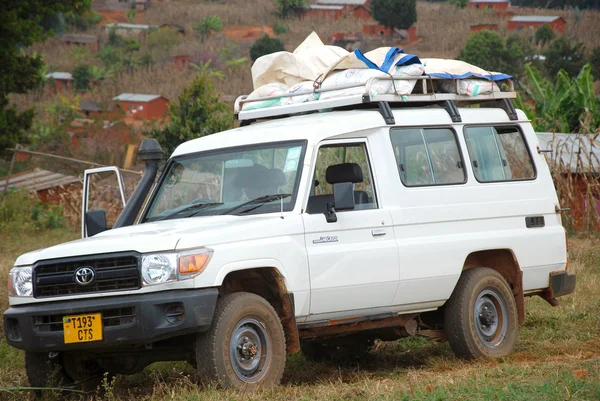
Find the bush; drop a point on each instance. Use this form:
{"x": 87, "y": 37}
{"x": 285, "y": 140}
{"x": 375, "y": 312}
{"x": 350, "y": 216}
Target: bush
{"x": 565, "y": 54}
{"x": 19, "y": 211}
{"x": 77, "y": 22}
{"x": 210, "y": 24}
{"x": 265, "y": 45}
{"x": 595, "y": 62}
{"x": 544, "y": 34}
{"x": 160, "y": 41}
{"x": 81, "y": 78}
{"x": 280, "y": 27}
{"x": 291, "y": 8}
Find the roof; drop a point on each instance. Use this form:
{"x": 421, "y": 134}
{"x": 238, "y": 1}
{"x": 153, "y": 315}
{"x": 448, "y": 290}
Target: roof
{"x": 536, "y": 18}
{"x": 60, "y": 75}
{"x": 37, "y": 180}
{"x": 141, "y": 27}
{"x": 322, "y": 7}
{"x": 316, "y": 127}
{"x": 577, "y": 153}
{"x": 79, "y": 38}
{"x": 88, "y": 105}
{"x": 134, "y": 97}
{"x": 342, "y": 2}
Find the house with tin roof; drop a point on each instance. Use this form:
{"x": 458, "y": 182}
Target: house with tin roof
{"x": 518, "y": 22}
{"x": 493, "y": 4}
{"x": 62, "y": 80}
{"x": 142, "y": 106}
{"x": 335, "y": 9}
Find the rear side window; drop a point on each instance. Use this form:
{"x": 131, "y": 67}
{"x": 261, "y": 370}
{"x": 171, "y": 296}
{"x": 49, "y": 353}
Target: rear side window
{"x": 427, "y": 156}
{"x": 499, "y": 154}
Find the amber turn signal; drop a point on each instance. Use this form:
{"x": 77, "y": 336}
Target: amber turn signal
{"x": 193, "y": 264}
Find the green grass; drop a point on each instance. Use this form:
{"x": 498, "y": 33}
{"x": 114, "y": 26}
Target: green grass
{"x": 557, "y": 356}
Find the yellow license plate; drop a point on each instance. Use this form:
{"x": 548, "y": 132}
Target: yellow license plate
{"x": 82, "y": 328}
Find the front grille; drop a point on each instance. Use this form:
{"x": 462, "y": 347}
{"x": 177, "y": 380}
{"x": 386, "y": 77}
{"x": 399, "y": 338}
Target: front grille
{"x": 110, "y": 317}
{"x": 113, "y": 273}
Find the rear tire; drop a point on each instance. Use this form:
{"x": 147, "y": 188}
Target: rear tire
{"x": 245, "y": 346}
{"x": 480, "y": 318}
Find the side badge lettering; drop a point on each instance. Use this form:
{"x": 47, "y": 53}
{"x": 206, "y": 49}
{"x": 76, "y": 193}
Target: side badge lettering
{"x": 323, "y": 240}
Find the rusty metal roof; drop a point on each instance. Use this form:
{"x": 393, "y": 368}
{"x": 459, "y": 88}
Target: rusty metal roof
{"x": 37, "y": 180}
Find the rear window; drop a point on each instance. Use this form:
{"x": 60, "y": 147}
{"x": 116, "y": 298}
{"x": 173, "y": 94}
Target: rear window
{"x": 499, "y": 154}
{"x": 427, "y": 156}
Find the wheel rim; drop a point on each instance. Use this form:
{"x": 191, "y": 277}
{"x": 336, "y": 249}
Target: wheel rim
{"x": 490, "y": 318}
{"x": 249, "y": 350}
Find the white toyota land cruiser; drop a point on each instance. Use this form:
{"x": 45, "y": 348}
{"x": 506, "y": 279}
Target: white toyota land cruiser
{"x": 320, "y": 231}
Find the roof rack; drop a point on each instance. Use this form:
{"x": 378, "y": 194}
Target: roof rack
{"x": 423, "y": 97}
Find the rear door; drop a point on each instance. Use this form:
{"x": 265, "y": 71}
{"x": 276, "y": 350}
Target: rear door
{"x": 353, "y": 262}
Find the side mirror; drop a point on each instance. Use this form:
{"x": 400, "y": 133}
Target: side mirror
{"x": 95, "y": 222}
{"x": 343, "y": 199}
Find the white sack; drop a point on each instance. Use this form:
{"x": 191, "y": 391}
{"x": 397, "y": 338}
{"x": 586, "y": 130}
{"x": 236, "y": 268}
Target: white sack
{"x": 470, "y": 87}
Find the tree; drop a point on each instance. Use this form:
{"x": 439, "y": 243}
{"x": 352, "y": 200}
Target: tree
{"x": 291, "y": 8}
{"x": 544, "y": 34}
{"x": 81, "y": 78}
{"x": 197, "y": 113}
{"x": 401, "y": 14}
{"x": 20, "y": 27}
{"x": 564, "y": 54}
{"x": 569, "y": 105}
{"x": 595, "y": 62}
{"x": 488, "y": 50}
{"x": 460, "y": 3}
{"x": 265, "y": 45}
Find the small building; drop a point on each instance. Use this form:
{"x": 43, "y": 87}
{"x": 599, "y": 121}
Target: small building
{"x": 493, "y": 4}
{"x": 44, "y": 183}
{"x": 62, "y": 80}
{"x": 142, "y": 5}
{"x": 362, "y": 12}
{"x": 484, "y": 27}
{"x": 90, "y": 108}
{"x": 144, "y": 107}
{"x": 558, "y": 24}
{"x": 132, "y": 30}
{"x": 325, "y": 11}
{"x": 376, "y": 30}
{"x": 92, "y": 42}
{"x": 181, "y": 60}
{"x": 347, "y": 5}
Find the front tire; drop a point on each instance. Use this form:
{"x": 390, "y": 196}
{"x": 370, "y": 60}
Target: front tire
{"x": 480, "y": 318}
{"x": 245, "y": 346}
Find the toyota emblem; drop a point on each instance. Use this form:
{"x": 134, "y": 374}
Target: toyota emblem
{"x": 84, "y": 275}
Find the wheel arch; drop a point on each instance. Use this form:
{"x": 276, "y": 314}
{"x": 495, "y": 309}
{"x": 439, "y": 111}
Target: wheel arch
{"x": 504, "y": 262}
{"x": 268, "y": 282}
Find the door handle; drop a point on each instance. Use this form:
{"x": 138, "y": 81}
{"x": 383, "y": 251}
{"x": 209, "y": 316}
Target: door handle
{"x": 378, "y": 233}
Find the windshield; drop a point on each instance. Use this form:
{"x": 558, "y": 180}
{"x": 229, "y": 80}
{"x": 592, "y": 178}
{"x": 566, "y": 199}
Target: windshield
{"x": 243, "y": 180}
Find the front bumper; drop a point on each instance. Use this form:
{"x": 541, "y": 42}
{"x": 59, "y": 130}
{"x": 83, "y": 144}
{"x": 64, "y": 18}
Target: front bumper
{"x": 127, "y": 320}
{"x": 561, "y": 283}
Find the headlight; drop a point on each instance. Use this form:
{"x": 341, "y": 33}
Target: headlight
{"x": 20, "y": 282}
{"x": 162, "y": 268}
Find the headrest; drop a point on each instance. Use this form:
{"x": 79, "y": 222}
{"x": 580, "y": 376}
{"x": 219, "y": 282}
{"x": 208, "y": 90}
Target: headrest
{"x": 345, "y": 172}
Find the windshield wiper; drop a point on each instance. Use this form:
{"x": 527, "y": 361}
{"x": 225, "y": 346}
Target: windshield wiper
{"x": 196, "y": 207}
{"x": 261, "y": 200}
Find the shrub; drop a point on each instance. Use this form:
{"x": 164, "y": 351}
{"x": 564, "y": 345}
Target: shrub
{"x": 565, "y": 54}
{"x": 20, "y": 211}
{"x": 595, "y": 62}
{"x": 544, "y": 34}
{"x": 280, "y": 27}
{"x": 160, "y": 41}
{"x": 81, "y": 78}
{"x": 291, "y": 8}
{"x": 459, "y": 3}
{"x": 83, "y": 22}
{"x": 209, "y": 24}
{"x": 265, "y": 45}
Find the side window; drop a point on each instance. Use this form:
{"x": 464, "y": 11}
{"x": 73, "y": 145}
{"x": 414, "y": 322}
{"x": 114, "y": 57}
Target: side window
{"x": 499, "y": 154}
{"x": 428, "y": 157}
{"x": 341, "y": 156}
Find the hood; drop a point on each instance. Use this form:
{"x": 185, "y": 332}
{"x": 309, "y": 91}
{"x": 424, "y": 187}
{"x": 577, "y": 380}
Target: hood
{"x": 164, "y": 236}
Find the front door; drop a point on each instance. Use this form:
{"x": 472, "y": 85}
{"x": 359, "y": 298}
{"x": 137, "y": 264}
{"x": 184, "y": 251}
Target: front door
{"x": 353, "y": 262}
